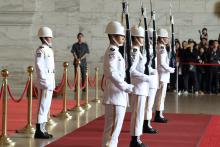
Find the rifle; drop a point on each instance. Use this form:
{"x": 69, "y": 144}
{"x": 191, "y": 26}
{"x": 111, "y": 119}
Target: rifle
{"x": 173, "y": 56}
{"x": 154, "y": 38}
{"x": 146, "y": 39}
{"x": 128, "y": 41}
{"x": 122, "y": 48}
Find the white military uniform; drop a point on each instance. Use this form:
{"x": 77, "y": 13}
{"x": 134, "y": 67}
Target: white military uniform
{"x": 44, "y": 64}
{"x": 141, "y": 86}
{"x": 115, "y": 96}
{"x": 153, "y": 86}
{"x": 164, "y": 76}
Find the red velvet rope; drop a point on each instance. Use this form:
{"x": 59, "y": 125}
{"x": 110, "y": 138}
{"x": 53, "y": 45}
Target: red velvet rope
{"x": 83, "y": 85}
{"x": 72, "y": 87}
{"x": 17, "y": 100}
{"x": 34, "y": 90}
{"x": 1, "y": 92}
{"x": 200, "y": 64}
{"x": 60, "y": 87}
{"x": 92, "y": 83}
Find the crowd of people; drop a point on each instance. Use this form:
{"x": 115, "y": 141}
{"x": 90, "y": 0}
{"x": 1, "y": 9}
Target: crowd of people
{"x": 198, "y": 66}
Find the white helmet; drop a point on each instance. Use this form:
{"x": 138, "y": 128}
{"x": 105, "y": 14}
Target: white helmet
{"x": 45, "y": 32}
{"x": 162, "y": 33}
{"x": 137, "y": 31}
{"x": 115, "y": 27}
{"x": 150, "y": 32}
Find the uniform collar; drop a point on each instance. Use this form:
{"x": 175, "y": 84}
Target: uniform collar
{"x": 45, "y": 45}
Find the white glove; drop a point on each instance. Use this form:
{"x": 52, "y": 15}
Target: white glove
{"x": 153, "y": 72}
{"x": 172, "y": 70}
{"x": 129, "y": 88}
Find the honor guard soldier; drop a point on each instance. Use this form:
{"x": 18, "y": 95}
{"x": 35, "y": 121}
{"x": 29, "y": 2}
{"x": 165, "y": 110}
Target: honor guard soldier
{"x": 44, "y": 64}
{"x": 153, "y": 86}
{"x": 164, "y": 71}
{"x": 140, "y": 82}
{"x": 116, "y": 89}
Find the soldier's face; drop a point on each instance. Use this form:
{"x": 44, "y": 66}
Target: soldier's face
{"x": 141, "y": 40}
{"x": 48, "y": 39}
{"x": 120, "y": 39}
{"x": 165, "y": 40}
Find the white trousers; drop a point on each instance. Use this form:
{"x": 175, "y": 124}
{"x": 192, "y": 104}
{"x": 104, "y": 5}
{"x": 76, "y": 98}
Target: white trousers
{"x": 114, "y": 117}
{"x": 45, "y": 97}
{"x": 160, "y": 96}
{"x": 137, "y": 114}
{"x": 150, "y": 103}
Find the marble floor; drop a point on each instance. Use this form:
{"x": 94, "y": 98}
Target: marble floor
{"x": 205, "y": 104}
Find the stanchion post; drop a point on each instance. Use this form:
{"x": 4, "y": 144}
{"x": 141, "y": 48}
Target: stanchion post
{"x": 4, "y": 140}
{"x": 78, "y": 108}
{"x": 28, "y": 129}
{"x": 87, "y": 106}
{"x": 97, "y": 100}
{"x": 64, "y": 114}
{"x": 50, "y": 123}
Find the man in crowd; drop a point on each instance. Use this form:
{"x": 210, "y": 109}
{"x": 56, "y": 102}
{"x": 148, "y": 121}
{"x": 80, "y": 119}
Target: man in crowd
{"x": 80, "y": 51}
{"x": 213, "y": 57}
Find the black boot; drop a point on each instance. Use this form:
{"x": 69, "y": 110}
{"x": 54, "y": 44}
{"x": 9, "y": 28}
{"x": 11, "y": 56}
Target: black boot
{"x": 136, "y": 142}
{"x": 148, "y": 129}
{"x": 45, "y": 131}
{"x": 159, "y": 119}
{"x": 40, "y": 134}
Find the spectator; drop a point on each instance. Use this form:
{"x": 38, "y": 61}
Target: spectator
{"x": 184, "y": 44}
{"x": 80, "y": 51}
{"x": 179, "y": 52}
{"x": 204, "y": 44}
{"x": 190, "y": 56}
{"x": 213, "y": 57}
{"x": 203, "y": 34}
{"x": 201, "y": 71}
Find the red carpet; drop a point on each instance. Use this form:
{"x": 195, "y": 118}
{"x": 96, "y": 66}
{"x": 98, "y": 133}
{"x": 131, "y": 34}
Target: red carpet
{"x": 211, "y": 137}
{"x": 17, "y": 112}
{"x": 183, "y": 130}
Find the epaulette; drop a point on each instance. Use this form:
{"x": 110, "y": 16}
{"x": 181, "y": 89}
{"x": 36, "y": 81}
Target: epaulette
{"x": 112, "y": 49}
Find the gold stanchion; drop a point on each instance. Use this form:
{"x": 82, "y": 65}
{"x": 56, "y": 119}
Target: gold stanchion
{"x": 78, "y": 108}
{"x": 50, "y": 123}
{"x": 87, "y": 106}
{"x": 28, "y": 129}
{"x": 64, "y": 114}
{"x": 4, "y": 140}
{"x": 97, "y": 100}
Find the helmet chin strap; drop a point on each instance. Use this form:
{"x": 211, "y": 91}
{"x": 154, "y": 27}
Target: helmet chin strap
{"x": 116, "y": 42}
{"x": 138, "y": 42}
{"x": 48, "y": 44}
{"x": 163, "y": 41}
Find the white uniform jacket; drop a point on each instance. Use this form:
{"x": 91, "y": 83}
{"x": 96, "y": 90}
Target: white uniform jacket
{"x": 163, "y": 64}
{"x": 114, "y": 73}
{"x": 138, "y": 78}
{"x": 154, "y": 77}
{"x": 44, "y": 64}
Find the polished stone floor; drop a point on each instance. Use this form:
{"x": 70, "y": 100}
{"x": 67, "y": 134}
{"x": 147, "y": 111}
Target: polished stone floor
{"x": 205, "y": 104}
